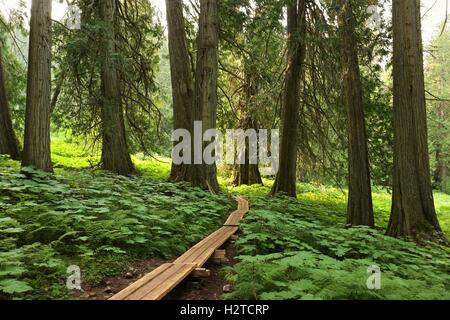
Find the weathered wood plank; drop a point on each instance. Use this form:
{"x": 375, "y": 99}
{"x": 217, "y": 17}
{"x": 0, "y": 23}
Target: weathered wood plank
{"x": 162, "y": 280}
{"x": 141, "y": 282}
{"x": 201, "y": 273}
{"x": 205, "y": 249}
{"x": 164, "y": 283}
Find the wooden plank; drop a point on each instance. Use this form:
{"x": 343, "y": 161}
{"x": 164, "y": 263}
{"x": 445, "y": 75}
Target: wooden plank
{"x": 158, "y": 287}
{"x": 159, "y": 282}
{"x": 242, "y": 204}
{"x": 234, "y": 218}
{"x": 201, "y": 273}
{"x": 219, "y": 254}
{"x": 199, "y": 247}
{"x": 204, "y": 257}
{"x": 202, "y": 254}
{"x": 141, "y": 282}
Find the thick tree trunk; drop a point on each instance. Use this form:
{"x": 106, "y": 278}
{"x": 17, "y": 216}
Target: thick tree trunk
{"x": 115, "y": 153}
{"x": 182, "y": 79}
{"x": 8, "y": 140}
{"x": 360, "y": 209}
{"x": 199, "y": 102}
{"x": 205, "y": 98}
{"x": 413, "y": 212}
{"x": 286, "y": 178}
{"x": 37, "y": 119}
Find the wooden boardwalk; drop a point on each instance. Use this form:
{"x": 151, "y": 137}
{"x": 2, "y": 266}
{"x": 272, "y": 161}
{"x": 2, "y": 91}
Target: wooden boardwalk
{"x": 158, "y": 283}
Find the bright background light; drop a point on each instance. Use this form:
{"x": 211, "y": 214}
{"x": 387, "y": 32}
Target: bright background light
{"x": 430, "y": 23}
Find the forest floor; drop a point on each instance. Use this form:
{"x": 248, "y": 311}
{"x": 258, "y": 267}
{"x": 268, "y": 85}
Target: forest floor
{"x": 117, "y": 229}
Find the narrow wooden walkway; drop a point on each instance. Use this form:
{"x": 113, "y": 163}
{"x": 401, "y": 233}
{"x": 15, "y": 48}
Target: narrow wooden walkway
{"x": 158, "y": 283}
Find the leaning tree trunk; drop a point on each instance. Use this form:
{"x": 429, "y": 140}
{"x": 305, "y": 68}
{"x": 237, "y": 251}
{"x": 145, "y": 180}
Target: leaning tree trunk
{"x": 8, "y": 140}
{"x": 286, "y": 178}
{"x": 182, "y": 79}
{"x": 360, "y": 209}
{"x": 115, "y": 153}
{"x": 205, "y": 99}
{"x": 36, "y": 150}
{"x": 413, "y": 212}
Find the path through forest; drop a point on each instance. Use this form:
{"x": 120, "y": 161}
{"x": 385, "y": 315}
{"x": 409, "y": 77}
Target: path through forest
{"x": 193, "y": 276}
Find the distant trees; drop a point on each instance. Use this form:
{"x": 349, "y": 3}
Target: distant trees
{"x": 296, "y": 24}
{"x": 36, "y": 150}
{"x": 438, "y": 86}
{"x": 252, "y": 42}
{"x": 8, "y": 141}
{"x": 360, "y": 209}
{"x": 413, "y": 212}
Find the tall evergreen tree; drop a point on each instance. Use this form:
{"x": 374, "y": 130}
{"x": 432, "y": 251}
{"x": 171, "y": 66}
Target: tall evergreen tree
{"x": 182, "y": 79}
{"x": 360, "y": 209}
{"x": 203, "y": 104}
{"x": 413, "y": 212}
{"x": 115, "y": 153}
{"x": 8, "y": 140}
{"x": 36, "y": 150}
{"x": 296, "y": 24}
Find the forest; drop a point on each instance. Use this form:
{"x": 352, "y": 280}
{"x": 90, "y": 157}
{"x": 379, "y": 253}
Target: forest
{"x": 130, "y": 130}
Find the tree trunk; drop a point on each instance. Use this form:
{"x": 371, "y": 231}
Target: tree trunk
{"x": 8, "y": 140}
{"x": 205, "y": 98}
{"x": 247, "y": 174}
{"x": 286, "y": 178}
{"x": 360, "y": 209}
{"x": 413, "y": 212}
{"x": 441, "y": 172}
{"x": 199, "y": 102}
{"x": 115, "y": 153}
{"x": 182, "y": 79}
{"x": 37, "y": 118}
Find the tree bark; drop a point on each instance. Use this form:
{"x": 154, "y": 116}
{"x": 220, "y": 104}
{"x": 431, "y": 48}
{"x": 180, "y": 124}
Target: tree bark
{"x": 8, "y": 141}
{"x": 413, "y": 212}
{"x": 441, "y": 172}
{"x": 247, "y": 174}
{"x": 360, "y": 208}
{"x": 205, "y": 92}
{"x": 182, "y": 79}
{"x": 115, "y": 153}
{"x": 194, "y": 102}
{"x": 286, "y": 178}
{"x": 37, "y": 118}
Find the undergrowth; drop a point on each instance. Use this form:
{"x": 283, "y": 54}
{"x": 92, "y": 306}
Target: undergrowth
{"x": 301, "y": 249}
{"x": 92, "y": 219}
{"x": 290, "y": 249}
